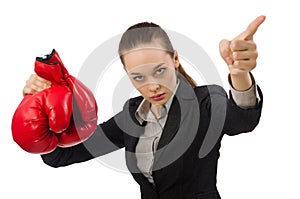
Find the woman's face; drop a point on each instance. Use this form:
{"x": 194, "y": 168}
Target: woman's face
{"x": 152, "y": 72}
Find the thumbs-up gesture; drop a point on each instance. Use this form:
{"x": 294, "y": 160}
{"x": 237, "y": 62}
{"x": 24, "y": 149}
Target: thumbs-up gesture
{"x": 240, "y": 55}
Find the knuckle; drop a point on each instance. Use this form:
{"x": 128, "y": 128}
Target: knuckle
{"x": 224, "y": 43}
{"x": 40, "y": 79}
{"x": 251, "y": 65}
{"x": 35, "y": 77}
{"x": 38, "y": 83}
{"x": 233, "y": 45}
{"x": 236, "y": 44}
{"x": 33, "y": 87}
{"x": 32, "y": 76}
{"x": 236, "y": 63}
{"x": 235, "y": 55}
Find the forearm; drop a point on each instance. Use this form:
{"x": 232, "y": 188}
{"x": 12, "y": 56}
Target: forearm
{"x": 242, "y": 119}
{"x": 241, "y": 82}
{"x": 66, "y": 156}
{"x": 100, "y": 143}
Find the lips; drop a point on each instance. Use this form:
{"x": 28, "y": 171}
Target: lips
{"x": 158, "y": 95}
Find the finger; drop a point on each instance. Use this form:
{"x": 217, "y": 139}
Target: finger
{"x": 241, "y": 45}
{"x": 246, "y": 65}
{"x": 236, "y": 71}
{"x": 36, "y": 88}
{"x": 251, "y": 29}
{"x": 32, "y": 91}
{"x": 244, "y": 55}
{"x": 225, "y": 51}
{"x": 28, "y": 90}
{"x": 40, "y": 79}
{"x": 32, "y": 76}
{"x": 41, "y": 84}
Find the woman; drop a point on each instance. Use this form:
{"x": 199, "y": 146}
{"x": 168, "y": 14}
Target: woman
{"x": 172, "y": 132}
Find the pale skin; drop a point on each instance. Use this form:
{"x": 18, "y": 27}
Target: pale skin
{"x": 157, "y": 68}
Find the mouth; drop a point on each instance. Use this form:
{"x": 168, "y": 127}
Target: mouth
{"x": 158, "y": 96}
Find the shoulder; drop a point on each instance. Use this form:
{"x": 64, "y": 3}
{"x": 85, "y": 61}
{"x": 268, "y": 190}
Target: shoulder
{"x": 208, "y": 91}
{"x": 212, "y": 100}
{"x": 133, "y": 102}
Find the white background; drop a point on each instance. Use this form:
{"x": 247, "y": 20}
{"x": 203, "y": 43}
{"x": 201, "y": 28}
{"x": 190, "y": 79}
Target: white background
{"x": 261, "y": 164}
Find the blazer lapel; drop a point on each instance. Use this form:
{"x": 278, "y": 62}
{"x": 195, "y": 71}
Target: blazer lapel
{"x": 181, "y": 126}
{"x": 171, "y": 125}
{"x": 133, "y": 130}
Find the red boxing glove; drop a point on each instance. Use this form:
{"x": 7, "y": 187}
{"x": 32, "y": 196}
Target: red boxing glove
{"x": 84, "y": 120}
{"x": 39, "y": 116}
{"x": 44, "y": 120}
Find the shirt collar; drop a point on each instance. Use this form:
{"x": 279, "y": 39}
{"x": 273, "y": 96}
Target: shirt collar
{"x": 142, "y": 112}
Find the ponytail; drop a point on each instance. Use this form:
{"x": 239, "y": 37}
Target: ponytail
{"x": 187, "y": 77}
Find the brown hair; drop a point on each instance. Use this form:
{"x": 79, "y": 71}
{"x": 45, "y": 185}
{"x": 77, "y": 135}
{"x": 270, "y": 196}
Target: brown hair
{"x": 146, "y": 33}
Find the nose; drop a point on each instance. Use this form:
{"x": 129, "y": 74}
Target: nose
{"x": 153, "y": 87}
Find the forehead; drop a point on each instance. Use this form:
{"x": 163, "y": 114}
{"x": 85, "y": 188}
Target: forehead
{"x": 135, "y": 59}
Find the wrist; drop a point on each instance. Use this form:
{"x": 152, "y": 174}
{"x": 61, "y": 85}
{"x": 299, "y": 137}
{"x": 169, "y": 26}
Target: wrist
{"x": 241, "y": 81}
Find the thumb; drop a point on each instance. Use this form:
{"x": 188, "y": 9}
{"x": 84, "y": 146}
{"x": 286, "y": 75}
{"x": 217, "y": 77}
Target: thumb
{"x": 225, "y": 51}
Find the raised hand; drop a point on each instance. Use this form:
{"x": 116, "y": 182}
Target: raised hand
{"x": 240, "y": 55}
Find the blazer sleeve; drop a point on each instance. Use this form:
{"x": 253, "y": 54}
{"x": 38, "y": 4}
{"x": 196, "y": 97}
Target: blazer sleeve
{"x": 225, "y": 115}
{"x": 107, "y": 137}
{"x": 240, "y": 119}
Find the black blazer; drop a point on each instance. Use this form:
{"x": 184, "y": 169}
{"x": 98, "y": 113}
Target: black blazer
{"x": 185, "y": 164}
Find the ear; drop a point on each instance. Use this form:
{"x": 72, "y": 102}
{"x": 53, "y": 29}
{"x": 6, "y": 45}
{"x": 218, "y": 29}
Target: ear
{"x": 176, "y": 59}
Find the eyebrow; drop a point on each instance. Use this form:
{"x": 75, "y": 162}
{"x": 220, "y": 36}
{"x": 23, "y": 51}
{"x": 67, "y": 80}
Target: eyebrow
{"x": 153, "y": 69}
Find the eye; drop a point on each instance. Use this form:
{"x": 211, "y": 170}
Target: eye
{"x": 138, "y": 78}
{"x": 160, "y": 71}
